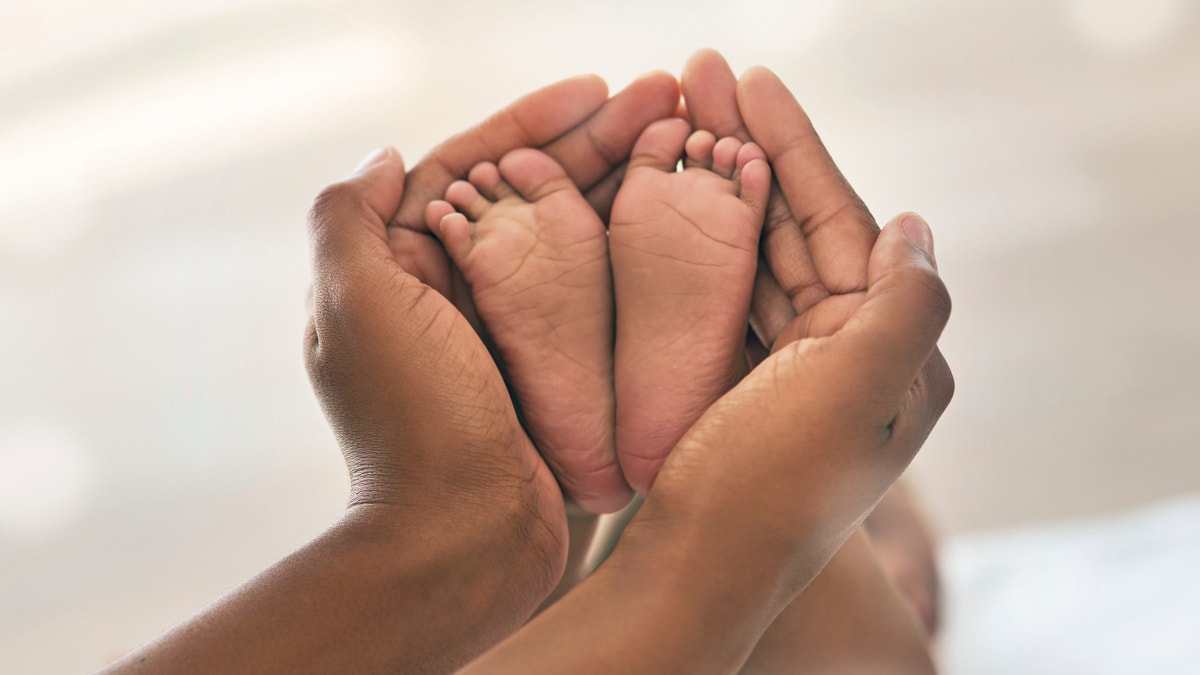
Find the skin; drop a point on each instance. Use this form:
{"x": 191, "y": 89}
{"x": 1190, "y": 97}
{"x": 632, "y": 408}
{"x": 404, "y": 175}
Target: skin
{"x": 535, "y": 255}
{"x": 726, "y": 540}
{"x": 593, "y": 154}
{"x": 905, "y": 546}
{"x": 420, "y": 575}
{"x": 683, "y": 246}
{"x": 850, "y": 619}
{"x": 572, "y": 123}
{"x": 456, "y": 530}
{"x": 791, "y": 294}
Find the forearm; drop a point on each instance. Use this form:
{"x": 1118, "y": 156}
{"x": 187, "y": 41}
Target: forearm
{"x": 849, "y": 621}
{"x": 657, "y": 605}
{"x": 377, "y": 592}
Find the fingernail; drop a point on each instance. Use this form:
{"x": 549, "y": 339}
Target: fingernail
{"x": 916, "y": 231}
{"x": 379, "y": 156}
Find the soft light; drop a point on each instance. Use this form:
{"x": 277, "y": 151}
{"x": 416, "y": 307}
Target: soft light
{"x": 43, "y": 477}
{"x": 1123, "y": 26}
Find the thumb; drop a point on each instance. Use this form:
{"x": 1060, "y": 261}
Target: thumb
{"x": 351, "y": 215}
{"x": 896, "y": 329}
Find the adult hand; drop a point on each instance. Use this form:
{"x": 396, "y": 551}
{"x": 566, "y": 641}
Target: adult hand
{"x": 818, "y": 234}
{"x": 417, "y": 404}
{"x": 846, "y": 617}
{"x": 392, "y": 402}
{"x": 456, "y": 528}
{"x": 575, "y": 123}
{"x": 761, "y": 491}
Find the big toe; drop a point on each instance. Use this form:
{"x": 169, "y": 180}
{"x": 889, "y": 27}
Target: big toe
{"x": 534, "y": 174}
{"x": 661, "y": 145}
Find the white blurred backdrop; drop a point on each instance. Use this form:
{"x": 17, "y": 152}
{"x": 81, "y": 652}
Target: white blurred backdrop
{"x": 158, "y": 440}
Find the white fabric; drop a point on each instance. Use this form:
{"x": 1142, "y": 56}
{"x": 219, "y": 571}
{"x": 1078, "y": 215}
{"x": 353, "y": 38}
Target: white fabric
{"x": 1118, "y": 595}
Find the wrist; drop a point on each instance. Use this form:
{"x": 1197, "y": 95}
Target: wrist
{"x": 507, "y": 549}
{"x": 715, "y": 589}
{"x": 653, "y": 606}
{"x": 739, "y": 546}
{"x": 498, "y": 507}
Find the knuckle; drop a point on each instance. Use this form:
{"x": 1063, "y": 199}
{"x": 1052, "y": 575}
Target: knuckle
{"x": 793, "y": 357}
{"x": 941, "y": 382}
{"x": 311, "y": 344}
{"x": 778, "y": 215}
{"x": 931, "y": 392}
{"x": 332, "y": 204}
{"x": 329, "y": 200}
{"x": 932, "y": 286}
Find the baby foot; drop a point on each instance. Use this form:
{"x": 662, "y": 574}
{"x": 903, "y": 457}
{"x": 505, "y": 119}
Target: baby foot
{"x": 536, "y": 257}
{"x": 684, "y": 248}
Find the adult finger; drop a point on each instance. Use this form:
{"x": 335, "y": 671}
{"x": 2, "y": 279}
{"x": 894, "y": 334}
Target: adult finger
{"x": 710, "y": 94}
{"x": 603, "y": 193}
{"x": 710, "y": 103}
{"x": 770, "y": 308}
{"x": 347, "y": 228}
{"x": 838, "y": 230}
{"x": 786, "y": 254}
{"x": 532, "y": 120}
{"x": 348, "y": 219}
{"x": 895, "y": 331}
{"x": 421, "y": 255}
{"x": 572, "y": 120}
{"x": 592, "y": 150}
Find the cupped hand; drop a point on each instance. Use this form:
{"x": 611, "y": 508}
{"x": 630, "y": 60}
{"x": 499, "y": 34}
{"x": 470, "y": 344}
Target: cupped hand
{"x": 818, "y": 234}
{"x": 577, "y": 125}
{"x": 417, "y": 404}
{"x": 791, "y": 460}
{"x": 761, "y": 491}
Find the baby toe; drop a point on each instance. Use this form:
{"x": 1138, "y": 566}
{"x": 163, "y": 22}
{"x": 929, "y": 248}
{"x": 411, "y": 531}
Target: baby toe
{"x": 466, "y": 198}
{"x": 486, "y": 178}
{"x": 725, "y": 156}
{"x": 435, "y": 211}
{"x": 699, "y": 150}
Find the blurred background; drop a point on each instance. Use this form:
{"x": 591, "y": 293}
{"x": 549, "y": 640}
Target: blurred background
{"x": 159, "y": 443}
